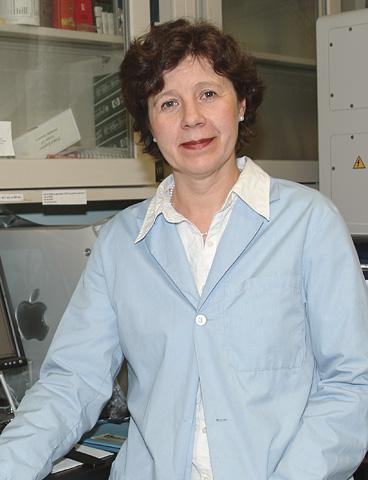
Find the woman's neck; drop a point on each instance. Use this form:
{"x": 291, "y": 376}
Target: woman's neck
{"x": 199, "y": 200}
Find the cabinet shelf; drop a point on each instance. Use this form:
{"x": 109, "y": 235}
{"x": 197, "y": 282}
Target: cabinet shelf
{"x": 103, "y": 179}
{"x": 284, "y": 60}
{"x": 57, "y": 35}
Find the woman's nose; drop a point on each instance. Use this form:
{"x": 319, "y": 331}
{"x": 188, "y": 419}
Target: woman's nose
{"x": 192, "y": 115}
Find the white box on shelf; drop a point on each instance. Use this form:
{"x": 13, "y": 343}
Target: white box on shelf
{"x": 20, "y": 11}
{"x": 6, "y": 144}
{"x": 50, "y": 137}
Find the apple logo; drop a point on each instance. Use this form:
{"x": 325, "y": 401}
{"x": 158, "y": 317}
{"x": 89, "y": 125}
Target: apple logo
{"x": 30, "y": 319}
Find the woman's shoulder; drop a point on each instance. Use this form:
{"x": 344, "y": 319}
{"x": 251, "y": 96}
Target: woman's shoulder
{"x": 287, "y": 189}
{"x": 302, "y": 199}
{"x": 126, "y": 222}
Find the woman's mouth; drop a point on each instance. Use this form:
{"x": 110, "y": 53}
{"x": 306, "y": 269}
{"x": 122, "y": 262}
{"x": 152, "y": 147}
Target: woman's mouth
{"x": 197, "y": 144}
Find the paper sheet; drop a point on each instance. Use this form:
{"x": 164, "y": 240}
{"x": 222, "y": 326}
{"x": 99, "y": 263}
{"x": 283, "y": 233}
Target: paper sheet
{"x": 94, "y": 452}
{"x": 6, "y": 142}
{"x": 64, "y": 464}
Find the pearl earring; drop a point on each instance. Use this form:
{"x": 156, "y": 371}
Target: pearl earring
{"x": 241, "y": 118}
{"x": 154, "y": 139}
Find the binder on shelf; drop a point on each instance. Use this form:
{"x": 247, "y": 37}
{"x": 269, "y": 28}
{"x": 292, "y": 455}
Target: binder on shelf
{"x": 111, "y": 116}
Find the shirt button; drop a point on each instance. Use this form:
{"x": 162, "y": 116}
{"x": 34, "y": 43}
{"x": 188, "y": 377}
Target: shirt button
{"x": 210, "y": 243}
{"x": 201, "y": 320}
{"x": 204, "y": 430}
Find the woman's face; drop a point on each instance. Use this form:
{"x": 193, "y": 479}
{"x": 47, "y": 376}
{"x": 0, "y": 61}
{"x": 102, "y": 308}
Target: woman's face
{"x": 195, "y": 119}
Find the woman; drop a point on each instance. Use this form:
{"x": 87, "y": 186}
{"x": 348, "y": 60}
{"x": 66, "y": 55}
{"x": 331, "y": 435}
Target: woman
{"x": 247, "y": 351}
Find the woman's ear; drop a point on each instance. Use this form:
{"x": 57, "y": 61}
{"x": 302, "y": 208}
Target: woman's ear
{"x": 242, "y": 109}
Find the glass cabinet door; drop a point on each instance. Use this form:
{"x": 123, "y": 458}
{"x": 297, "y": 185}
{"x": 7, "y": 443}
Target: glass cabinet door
{"x": 60, "y": 91}
{"x": 281, "y": 35}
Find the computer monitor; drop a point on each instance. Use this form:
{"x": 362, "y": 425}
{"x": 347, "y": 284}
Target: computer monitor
{"x": 11, "y": 349}
{"x": 42, "y": 265}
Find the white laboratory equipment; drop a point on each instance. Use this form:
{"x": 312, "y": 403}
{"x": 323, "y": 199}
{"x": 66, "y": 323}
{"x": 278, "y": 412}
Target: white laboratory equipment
{"x": 343, "y": 114}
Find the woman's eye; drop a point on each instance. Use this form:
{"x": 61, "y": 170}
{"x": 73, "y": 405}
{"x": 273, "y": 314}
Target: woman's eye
{"x": 209, "y": 94}
{"x": 168, "y": 104}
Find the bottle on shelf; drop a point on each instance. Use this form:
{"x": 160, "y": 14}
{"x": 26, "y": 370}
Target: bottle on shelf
{"x": 98, "y": 19}
{"x": 105, "y": 13}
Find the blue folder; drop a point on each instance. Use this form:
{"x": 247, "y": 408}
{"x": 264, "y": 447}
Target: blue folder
{"x": 107, "y": 436}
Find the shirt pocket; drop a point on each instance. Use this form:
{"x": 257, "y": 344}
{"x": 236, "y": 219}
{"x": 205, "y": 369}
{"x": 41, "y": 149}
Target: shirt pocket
{"x": 265, "y": 324}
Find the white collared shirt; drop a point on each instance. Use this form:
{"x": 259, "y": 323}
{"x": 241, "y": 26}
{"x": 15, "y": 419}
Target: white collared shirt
{"x": 253, "y": 187}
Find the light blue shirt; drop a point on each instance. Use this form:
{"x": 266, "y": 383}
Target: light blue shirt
{"x": 278, "y": 340}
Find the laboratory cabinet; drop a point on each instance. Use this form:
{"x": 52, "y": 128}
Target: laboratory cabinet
{"x": 52, "y": 78}
{"x": 59, "y": 89}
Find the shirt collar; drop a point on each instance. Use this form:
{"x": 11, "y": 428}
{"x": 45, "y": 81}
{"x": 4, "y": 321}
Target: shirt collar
{"x": 252, "y": 186}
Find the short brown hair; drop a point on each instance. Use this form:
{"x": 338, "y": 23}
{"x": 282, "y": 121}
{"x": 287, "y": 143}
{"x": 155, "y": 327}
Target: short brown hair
{"x": 163, "y": 48}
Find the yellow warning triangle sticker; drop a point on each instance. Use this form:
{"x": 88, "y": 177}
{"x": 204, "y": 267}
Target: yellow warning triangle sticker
{"x": 359, "y": 163}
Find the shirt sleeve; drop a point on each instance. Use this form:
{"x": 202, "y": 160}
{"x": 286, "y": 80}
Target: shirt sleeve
{"x": 76, "y": 380}
{"x": 333, "y": 434}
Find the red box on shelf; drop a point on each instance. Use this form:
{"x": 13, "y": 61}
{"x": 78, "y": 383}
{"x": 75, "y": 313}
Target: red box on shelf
{"x": 83, "y": 15}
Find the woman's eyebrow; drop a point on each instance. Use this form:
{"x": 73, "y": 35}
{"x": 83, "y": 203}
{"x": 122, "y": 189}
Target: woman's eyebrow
{"x": 163, "y": 93}
{"x": 209, "y": 83}
{"x": 173, "y": 92}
